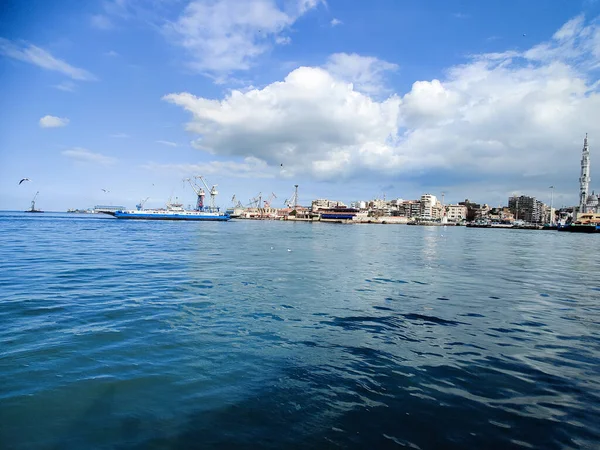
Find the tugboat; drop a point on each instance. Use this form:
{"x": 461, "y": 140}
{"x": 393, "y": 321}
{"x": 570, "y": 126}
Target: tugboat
{"x": 33, "y": 210}
{"x": 175, "y": 211}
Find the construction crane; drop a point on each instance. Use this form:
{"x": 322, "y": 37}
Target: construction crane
{"x": 267, "y": 202}
{"x": 141, "y": 204}
{"x": 293, "y": 201}
{"x": 199, "y": 192}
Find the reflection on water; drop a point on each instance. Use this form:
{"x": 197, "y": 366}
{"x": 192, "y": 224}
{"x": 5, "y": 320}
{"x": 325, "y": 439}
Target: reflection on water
{"x": 186, "y": 335}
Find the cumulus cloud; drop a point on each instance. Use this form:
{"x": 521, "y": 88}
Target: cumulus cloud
{"x": 366, "y": 72}
{"x": 41, "y": 58}
{"x": 310, "y": 120}
{"x": 497, "y": 116}
{"x": 53, "y": 122}
{"x": 228, "y": 35}
{"x": 83, "y": 155}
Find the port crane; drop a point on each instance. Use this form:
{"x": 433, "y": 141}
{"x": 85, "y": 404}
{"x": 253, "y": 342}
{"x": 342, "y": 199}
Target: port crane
{"x": 141, "y": 204}
{"x": 293, "y": 201}
{"x": 198, "y": 191}
{"x": 267, "y": 202}
{"x": 33, "y": 202}
{"x": 201, "y": 193}
{"x": 238, "y": 204}
{"x": 256, "y": 202}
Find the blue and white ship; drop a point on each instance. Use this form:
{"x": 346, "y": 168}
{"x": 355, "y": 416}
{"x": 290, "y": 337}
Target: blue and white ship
{"x": 176, "y": 211}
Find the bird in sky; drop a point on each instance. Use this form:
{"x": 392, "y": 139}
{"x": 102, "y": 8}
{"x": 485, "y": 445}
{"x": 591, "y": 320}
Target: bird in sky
{"x": 24, "y": 179}
{"x": 106, "y": 190}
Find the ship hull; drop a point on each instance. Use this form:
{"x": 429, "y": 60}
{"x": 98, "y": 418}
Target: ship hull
{"x": 581, "y": 228}
{"x": 165, "y": 215}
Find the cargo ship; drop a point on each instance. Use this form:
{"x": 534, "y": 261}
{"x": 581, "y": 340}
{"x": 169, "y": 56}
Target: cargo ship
{"x": 176, "y": 211}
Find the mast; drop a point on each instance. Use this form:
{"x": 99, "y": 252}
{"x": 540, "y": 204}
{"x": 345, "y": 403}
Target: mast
{"x": 584, "y": 180}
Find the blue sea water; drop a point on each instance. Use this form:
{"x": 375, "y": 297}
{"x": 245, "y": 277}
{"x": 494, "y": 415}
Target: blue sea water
{"x": 253, "y": 334}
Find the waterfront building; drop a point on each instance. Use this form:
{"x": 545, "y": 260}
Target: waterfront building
{"x": 323, "y": 203}
{"x": 528, "y": 209}
{"x": 408, "y": 208}
{"x": 456, "y": 213}
{"x": 428, "y": 207}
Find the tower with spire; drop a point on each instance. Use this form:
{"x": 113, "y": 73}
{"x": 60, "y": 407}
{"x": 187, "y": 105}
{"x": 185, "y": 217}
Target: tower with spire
{"x": 584, "y": 179}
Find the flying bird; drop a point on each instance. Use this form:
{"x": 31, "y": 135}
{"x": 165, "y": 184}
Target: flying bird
{"x": 24, "y": 179}
{"x": 106, "y": 190}
{"x": 524, "y": 34}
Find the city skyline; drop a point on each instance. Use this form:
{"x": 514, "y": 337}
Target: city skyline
{"x": 121, "y": 100}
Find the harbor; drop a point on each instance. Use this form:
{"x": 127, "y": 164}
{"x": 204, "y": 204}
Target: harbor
{"x": 522, "y": 212}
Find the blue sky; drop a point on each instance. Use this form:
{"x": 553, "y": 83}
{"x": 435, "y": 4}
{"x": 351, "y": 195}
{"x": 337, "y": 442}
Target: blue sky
{"x": 349, "y": 99}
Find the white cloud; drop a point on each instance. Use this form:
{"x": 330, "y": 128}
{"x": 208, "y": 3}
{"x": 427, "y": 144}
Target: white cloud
{"x": 310, "y": 121}
{"x": 83, "y": 155}
{"x": 366, "y": 72}
{"x": 228, "y": 35}
{"x": 459, "y": 15}
{"x": 111, "y": 53}
{"x": 168, "y": 143}
{"x": 283, "y": 40}
{"x": 39, "y": 57}
{"x": 250, "y": 167}
{"x": 101, "y": 22}
{"x": 67, "y": 86}
{"x": 335, "y": 22}
{"x": 120, "y": 136}
{"x": 497, "y": 118}
{"x": 53, "y": 122}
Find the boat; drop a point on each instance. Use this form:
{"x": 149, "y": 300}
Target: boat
{"x": 480, "y": 223}
{"x": 176, "y": 211}
{"x": 585, "y": 223}
{"x": 338, "y": 213}
{"x": 33, "y": 210}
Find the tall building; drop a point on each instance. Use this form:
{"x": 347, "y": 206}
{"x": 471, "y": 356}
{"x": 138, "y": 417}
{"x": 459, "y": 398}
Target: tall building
{"x": 528, "y": 209}
{"x": 428, "y": 204}
{"x": 584, "y": 179}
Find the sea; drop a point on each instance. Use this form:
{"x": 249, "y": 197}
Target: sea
{"x": 263, "y": 334}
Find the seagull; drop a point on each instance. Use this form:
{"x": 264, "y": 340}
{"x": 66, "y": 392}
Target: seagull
{"x": 289, "y": 250}
{"x": 24, "y": 179}
{"x": 106, "y": 190}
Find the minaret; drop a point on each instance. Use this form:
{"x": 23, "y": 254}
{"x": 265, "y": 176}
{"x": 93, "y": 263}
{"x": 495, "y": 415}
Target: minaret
{"x": 584, "y": 180}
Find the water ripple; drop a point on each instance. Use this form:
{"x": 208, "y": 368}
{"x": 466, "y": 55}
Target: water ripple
{"x": 185, "y": 335}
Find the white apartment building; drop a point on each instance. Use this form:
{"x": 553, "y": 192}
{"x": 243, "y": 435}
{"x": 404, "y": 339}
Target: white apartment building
{"x": 323, "y": 203}
{"x": 456, "y": 213}
{"x": 428, "y": 207}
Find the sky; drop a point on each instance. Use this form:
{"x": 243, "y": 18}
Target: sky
{"x": 114, "y": 101}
